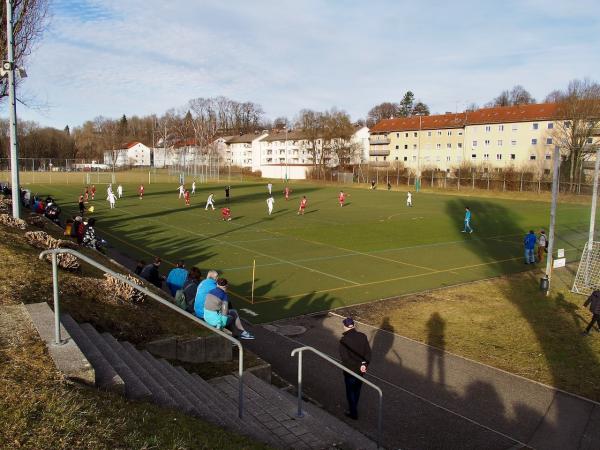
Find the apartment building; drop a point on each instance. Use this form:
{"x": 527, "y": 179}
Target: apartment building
{"x": 244, "y": 150}
{"x": 519, "y": 136}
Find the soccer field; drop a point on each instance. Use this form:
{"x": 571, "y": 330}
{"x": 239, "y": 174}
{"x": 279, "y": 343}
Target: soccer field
{"x": 375, "y": 247}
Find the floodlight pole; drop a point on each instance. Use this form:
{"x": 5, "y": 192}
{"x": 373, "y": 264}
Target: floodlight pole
{"x": 555, "y": 174}
{"x": 14, "y": 146}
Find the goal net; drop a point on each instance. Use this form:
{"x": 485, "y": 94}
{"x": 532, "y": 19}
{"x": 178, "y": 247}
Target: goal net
{"x": 588, "y": 273}
{"x": 100, "y": 178}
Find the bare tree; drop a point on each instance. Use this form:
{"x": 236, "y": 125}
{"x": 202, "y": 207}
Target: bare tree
{"x": 553, "y": 97}
{"x": 29, "y": 23}
{"x": 518, "y": 95}
{"x": 385, "y": 110}
{"x": 311, "y": 124}
{"x": 577, "y": 121}
{"x": 337, "y": 137}
{"x": 420, "y": 109}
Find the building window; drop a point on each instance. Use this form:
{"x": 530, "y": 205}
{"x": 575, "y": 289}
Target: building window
{"x": 550, "y": 125}
{"x": 437, "y": 158}
{"x": 414, "y": 146}
{"x": 396, "y": 158}
{"x": 474, "y": 156}
{"x": 486, "y": 156}
{"x": 460, "y": 133}
{"x": 548, "y": 156}
{"x": 397, "y": 135}
{"x": 405, "y": 146}
{"x": 474, "y": 143}
{"x": 448, "y": 145}
{"x": 438, "y": 146}
{"x": 486, "y": 142}
{"x": 429, "y": 133}
{"x": 449, "y": 133}
{"x": 499, "y": 142}
{"x": 439, "y": 133}
{"x": 448, "y": 158}
{"x": 548, "y": 141}
{"x": 515, "y": 127}
{"x": 405, "y": 134}
{"x": 590, "y": 140}
{"x": 568, "y": 124}
{"x": 499, "y": 156}
{"x": 414, "y": 158}
{"x": 532, "y": 157}
{"x": 384, "y": 158}
{"x": 406, "y": 158}
{"x": 500, "y": 127}
{"x": 415, "y": 134}
{"x": 397, "y": 147}
{"x": 488, "y": 128}
{"x": 534, "y": 141}
{"x": 535, "y": 126}
{"x": 513, "y": 156}
{"x": 459, "y": 145}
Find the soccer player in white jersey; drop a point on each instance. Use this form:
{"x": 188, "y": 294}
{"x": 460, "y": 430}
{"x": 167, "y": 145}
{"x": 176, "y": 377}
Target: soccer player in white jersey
{"x": 112, "y": 199}
{"x": 181, "y": 190}
{"x": 120, "y": 191}
{"x": 194, "y": 187}
{"x": 270, "y": 203}
{"x": 210, "y": 202}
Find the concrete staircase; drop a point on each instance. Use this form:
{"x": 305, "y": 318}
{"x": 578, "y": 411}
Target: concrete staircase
{"x": 269, "y": 413}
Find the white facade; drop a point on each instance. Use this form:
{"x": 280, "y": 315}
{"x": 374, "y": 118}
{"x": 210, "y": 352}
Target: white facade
{"x": 136, "y": 154}
{"x": 361, "y": 139}
{"x": 244, "y": 151}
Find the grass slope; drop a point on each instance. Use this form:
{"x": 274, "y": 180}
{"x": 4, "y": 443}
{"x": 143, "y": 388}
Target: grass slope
{"x": 375, "y": 247}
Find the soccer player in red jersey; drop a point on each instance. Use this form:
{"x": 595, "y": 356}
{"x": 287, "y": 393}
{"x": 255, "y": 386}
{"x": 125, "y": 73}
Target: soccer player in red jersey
{"x": 286, "y": 192}
{"x": 302, "y": 205}
{"x": 226, "y": 213}
{"x": 342, "y": 198}
{"x": 141, "y": 191}
{"x": 93, "y": 191}
{"x": 186, "y": 196}
{"x": 86, "y": 195}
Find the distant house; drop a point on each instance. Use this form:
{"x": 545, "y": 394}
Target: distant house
{"x": 244, "y": 150}
{"x": 132, "y": 154}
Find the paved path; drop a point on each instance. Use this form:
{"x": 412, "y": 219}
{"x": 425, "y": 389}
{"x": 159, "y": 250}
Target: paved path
{"x": 434, "y": 399}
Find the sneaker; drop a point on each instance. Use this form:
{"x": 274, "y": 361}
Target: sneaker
{"x": 471, "y": 231}
{"x": 463, "y": 231}
{"x": 247, "y": 336}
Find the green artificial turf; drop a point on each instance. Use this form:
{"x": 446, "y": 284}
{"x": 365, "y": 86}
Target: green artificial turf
{"x": 374, "y": 247}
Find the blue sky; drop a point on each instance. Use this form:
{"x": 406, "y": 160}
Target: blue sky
{"x": 137, "y": 57}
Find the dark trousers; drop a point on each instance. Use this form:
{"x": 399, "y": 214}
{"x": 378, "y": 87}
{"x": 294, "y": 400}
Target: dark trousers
{"x": 353, "y": 386}
{"x": 595, "y": 319}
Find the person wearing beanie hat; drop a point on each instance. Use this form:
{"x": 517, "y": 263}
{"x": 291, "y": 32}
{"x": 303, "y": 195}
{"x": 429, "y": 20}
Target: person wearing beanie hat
{"x": 355, "y": 353}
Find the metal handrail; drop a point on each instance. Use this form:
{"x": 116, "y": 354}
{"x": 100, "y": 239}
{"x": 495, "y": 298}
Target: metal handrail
{"x": 57, "y": 338}
{"x": 299, "y": 351}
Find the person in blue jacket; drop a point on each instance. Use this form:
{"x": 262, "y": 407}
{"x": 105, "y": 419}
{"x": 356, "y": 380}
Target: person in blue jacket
{"x": 176, "y": 278}
{"x": 529, "y": 241}
{"x": 204, "y": 288}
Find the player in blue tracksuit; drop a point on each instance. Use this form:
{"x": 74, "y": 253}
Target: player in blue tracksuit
{"x": 529, "y": 241}
{"x": 467, "y": 221}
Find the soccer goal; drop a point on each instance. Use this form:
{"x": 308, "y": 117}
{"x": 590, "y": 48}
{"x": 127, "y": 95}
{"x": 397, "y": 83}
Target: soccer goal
{"x": 100, "y": 178}
{"x": 588, "y": 273}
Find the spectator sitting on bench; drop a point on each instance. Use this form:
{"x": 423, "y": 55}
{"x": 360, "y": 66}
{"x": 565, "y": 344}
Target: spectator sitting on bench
{"x": 204, "y": 288}
{"x": 176, "y": 278}
{"x": 218, "y": 314}
{"x": 190, "y": 288}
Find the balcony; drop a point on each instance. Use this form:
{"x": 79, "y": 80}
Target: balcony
{"x": 379, "y": 152}
{"x": 375, "y": 140}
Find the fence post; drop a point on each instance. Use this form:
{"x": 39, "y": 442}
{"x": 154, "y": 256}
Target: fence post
{"x": 57, "y": 339}
{"x": 473, "y": 180}
{"x": 398, "y": 175}
{"x": 488, "y": 182}
{"x": 432, "y": 179}
{"x": 458, "y": 184}
{"x": 504, "y": 184}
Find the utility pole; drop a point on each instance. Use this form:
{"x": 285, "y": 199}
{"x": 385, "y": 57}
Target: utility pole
{"x": 594, "y": 198}
{"x": 9, "y": 66}
{"x": 555, "y": 179}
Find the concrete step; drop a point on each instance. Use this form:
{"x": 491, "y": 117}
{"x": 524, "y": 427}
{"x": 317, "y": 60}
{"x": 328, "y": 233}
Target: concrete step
{"x": 328, "y": 427}
{"x": 106, "y": 377}
{"x": 67, "y": 356}
{"x": 159, "y": 395}
{"x": 276, "y": 422}
{"x": 228, "y": 408}
{"x": 179, "y": 395}
{"x": 134, "y": 387}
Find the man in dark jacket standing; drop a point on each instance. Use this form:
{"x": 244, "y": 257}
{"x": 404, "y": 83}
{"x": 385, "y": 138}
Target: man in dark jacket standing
{"x": 593, "y": 302}
{"x": 356, "y": 355}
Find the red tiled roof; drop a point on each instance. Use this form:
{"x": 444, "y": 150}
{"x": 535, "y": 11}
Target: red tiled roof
{"x": 503, "y": 114}
{"x": 245, "y": 138}
{"x": 131, "y": 144}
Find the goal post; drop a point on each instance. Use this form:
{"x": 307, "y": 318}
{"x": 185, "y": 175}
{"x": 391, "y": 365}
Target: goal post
{"x": 100, "y": 178}
{"x": 587, "y": 279}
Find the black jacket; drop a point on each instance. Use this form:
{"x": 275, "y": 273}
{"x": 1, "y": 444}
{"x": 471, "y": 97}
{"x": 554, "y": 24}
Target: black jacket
{"x": 594, "y": 302}
{"x": 151, "y": 274}
{"x": 355, "y": 350}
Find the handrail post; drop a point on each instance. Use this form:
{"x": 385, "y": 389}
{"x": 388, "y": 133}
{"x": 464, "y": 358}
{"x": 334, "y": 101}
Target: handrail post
{"x": 241, "y": 386}
{"x": 380, "y": 421}
{"x": 57, "y": 339}
{"x": 299, "y": 414}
